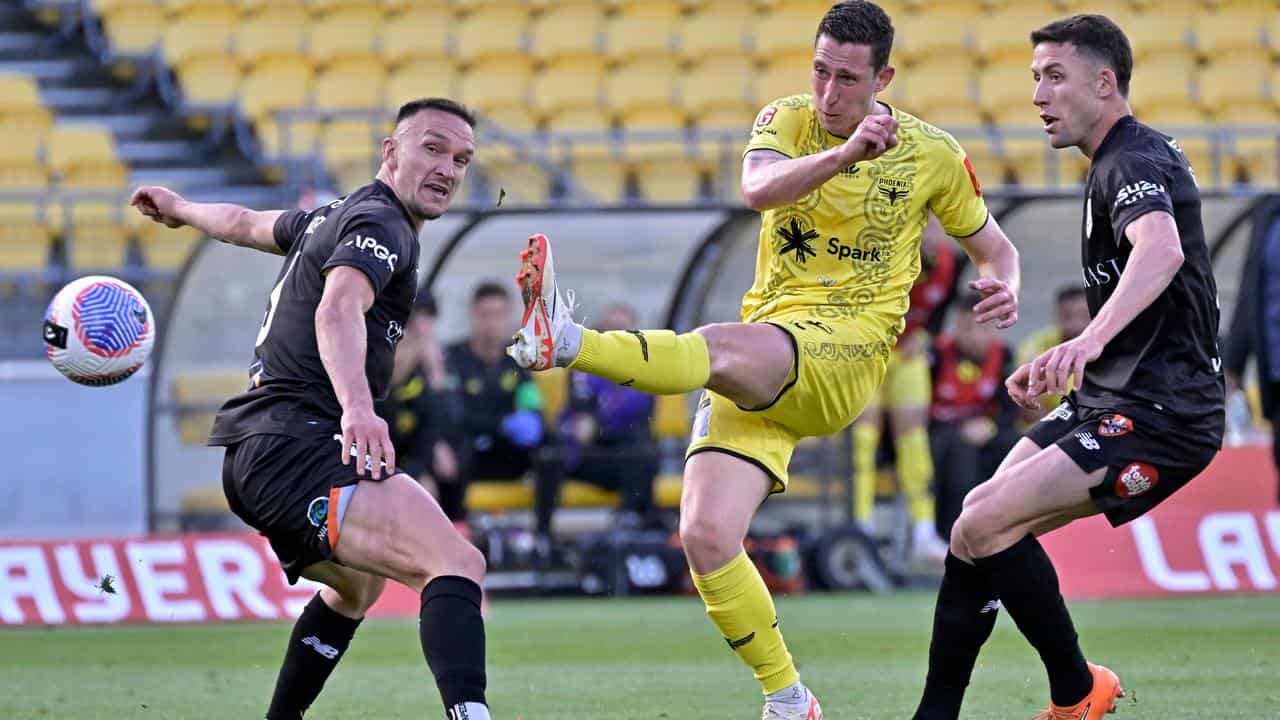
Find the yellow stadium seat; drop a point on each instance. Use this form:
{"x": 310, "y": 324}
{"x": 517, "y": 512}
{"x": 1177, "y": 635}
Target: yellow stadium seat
{"x": 491, "y": 33}
{"x": 280, "y": 83}
{"x": 22, "y": 114}
{"x": 212, "y": 80}
{"x": 419, "y": 34}
{"x": 399, "y": 6}
{"x": 1185, "y": 9}
{"x": 569, "y": 30}
{"x": 497, "y": 83}
{"x": 933, "y": 38}
{"x": 352, "y": 142}
{"x": 325, "y": 7}
{"x": 986, "y": 161}
{"x": 1028, "y": 162}
{"x": 474, "y": 6}
{"x": 80, "y": 150}
{"x": 421, "y": 78}
{"x": 178, "y": 8}
{"x": 717, "y": 84}
{"x": 97, "y": 239}
{"x": 948, "y": 8}
{"x": 1164, "y": 82}
{"x": 1003, "y": 88}
{"x": 198, "y": 393}
{"x": 356, "y": 82}
{"x": 253, "y": 7}
{"x": 588, "y": 120}
{"x": 133, "y": 30}
{"x": 164, "y": 248}
{"x": 572, "y": 82}
{"x": 715, "y": 32}
{"x": 642, "y": 84}
{"x": 604, "y": 178}
{"x": 641, "y": 31}
{"x": 1230, "y": 32}
{"x": 18, "y": 173}
{"x": 106, "y": 7}
{"x": 525, "y": 183}
{"x": 1210, "y": 163}
{"x": 345, "y": 35}
{"x": 271, "y": 34}
{"x": 1234, "y": 89}
{"x": 199, "y": 34}
{"x": 940, "y": 87}
{"x": 786, "y": 32}
{"x": 1158, "y": 34}
{"x": 1259, "y": 158}
{"x": 24, "y": 237}
{"x": 1005, "y": 35}
{"x": 512, "y": 119}
{"x": 785, "y": 75}
{"x": 669, "y": 181}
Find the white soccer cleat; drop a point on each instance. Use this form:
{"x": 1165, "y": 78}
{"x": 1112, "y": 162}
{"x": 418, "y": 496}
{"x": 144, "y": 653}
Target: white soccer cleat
{"x": 926, "y": 545}
{"x": 546, "y": 314}
{"x": 811, "y": 710}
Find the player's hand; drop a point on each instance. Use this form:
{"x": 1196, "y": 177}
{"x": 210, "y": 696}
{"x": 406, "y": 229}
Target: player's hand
{"x": 1051, "y": 371}
{"x": 1019, "y": 386}
{"x": 365, "y": 436}
{"x": 874, "y": 136}
{"x": 998, "y": 303}
{"x": 159, "y": 203}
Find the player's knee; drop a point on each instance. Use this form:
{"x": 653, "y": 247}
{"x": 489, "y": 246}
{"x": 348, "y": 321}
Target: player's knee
{"x": 354, "y": 598}
{"x": 722, "y": 351}
{"x": 706, "y": 540}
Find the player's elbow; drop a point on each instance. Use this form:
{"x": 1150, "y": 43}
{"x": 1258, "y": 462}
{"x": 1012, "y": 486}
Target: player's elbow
{"x": 756, "y": 196}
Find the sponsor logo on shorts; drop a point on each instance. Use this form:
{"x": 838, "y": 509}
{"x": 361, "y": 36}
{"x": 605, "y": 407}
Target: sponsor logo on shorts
{"x": 318, "y": 511}
{"x": 1115, "y": 426}
{"x": 1136, "y": 479}
{"x": 324, "y": 649}
{"x": 1062, "y": 412}
{"x": 1088, "y": 441}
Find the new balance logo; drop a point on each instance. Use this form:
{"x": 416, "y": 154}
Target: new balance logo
{"x": 1085, "y": 715}
{"x": 735, "y": 644}
{"x": 328, "y": 651}
{"x": 990, "y": 607}
{"x": 1087, "y": 441}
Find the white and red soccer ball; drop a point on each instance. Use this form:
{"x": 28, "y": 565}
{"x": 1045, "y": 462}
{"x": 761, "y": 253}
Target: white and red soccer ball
{"x": 98, "y": 330}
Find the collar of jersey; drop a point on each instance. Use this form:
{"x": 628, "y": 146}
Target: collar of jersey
{"x": 1123, "y": 122}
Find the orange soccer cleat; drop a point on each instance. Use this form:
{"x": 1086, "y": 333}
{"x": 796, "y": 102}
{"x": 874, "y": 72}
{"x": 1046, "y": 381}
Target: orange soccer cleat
{"x": 1100, "y": 700}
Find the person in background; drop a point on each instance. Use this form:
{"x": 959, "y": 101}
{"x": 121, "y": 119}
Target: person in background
{"x": 972, "y": 419}
{"x": 606, "y": 434}
{"x": 1071, "y": 315}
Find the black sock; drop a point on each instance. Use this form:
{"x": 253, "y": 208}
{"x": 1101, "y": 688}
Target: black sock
{"x": 962, "y": 622}
{"x": 320, "y": 637}
{"x": 1027, "y": 584}
{"x": 452, "y": 634}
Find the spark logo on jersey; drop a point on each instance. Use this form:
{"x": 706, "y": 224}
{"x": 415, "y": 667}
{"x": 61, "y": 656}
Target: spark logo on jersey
{"x": 1136, "y": 479}
{"x": 373, "y": 247}
{"x": 853, "y": 254}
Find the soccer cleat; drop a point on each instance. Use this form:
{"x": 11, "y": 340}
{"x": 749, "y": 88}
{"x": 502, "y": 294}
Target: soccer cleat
{"x": 1101, "y": 699}
{"x": 546, "y": 314}
{"x": 811, "y": 710}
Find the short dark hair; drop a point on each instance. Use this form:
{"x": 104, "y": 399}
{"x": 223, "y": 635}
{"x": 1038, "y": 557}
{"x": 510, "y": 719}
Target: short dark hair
{"x": 452, "y": 107}
{"x": 1097, "y": 36}
{"x": 861, "y": 23}
{"x": 490, "y": 289}
{"x": 1067, "y": 293}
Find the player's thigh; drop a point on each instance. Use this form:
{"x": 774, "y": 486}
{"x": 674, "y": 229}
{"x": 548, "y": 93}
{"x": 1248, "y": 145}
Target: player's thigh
{"x": 1042, "y": 486}
{"x": 1022, "y": 450}
{"x": 721, "y": 494}
{"x": 750, "y": 362}
{"x": 355, "y": 591}
{"x": 394, "y": 528}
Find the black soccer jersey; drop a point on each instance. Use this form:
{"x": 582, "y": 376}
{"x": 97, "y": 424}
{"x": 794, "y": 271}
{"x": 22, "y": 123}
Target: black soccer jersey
{"x": 289, "y": 390}
{"x": 1167, "y": 358}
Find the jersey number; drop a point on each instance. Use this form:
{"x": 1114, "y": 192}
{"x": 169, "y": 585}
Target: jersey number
{"x": 273, "y": 301}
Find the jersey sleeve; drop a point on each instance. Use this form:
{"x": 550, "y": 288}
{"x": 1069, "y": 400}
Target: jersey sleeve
{"x": 958, "y": 199}
{"x": 778, "y": 128}
{"x": 374, "y": 244}
{"x": 289, "y": 227}
{"x": 1133, "y": 186}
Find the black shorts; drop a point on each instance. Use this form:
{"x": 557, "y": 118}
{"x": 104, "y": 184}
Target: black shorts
{"x": 292, "y": 490}
{"x": 1148, "y": 454}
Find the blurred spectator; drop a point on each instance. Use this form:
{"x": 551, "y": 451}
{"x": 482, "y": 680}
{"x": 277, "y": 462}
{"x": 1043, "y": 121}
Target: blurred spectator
{"x": 971, "y": 425}
{"x": 1255, "y": 325}
{"x": 502, "y": 424}
{"x": 423, "y": 413}
{"x": 606, "y": 434}
{"x": 1071, "y": 315}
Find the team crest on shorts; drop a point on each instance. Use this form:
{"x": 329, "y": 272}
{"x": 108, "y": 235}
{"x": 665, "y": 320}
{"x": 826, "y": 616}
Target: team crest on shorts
{"x": 1136, "y": 479}
{"x": 318, "y": 511}
{"x": 1115, "y": 426}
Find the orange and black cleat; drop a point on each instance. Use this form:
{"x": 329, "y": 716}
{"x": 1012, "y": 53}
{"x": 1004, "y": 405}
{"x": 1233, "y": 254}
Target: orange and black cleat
{"x": 1100, "y": 700}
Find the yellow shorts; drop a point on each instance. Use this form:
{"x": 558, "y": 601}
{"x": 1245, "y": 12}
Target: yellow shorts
{"x": 906, "y": 384}
{"x": 839, "y": 365}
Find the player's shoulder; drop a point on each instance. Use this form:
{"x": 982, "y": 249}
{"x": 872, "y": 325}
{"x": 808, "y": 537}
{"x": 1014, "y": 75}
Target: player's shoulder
{"x": 1135, "y": 142}
{"x": 375, "y": 205}
{"x": 928, "y": 137}
{"x": 790, "y": 107}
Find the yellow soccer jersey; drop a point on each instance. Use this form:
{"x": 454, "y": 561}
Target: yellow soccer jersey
{"x": 851, "y": 248}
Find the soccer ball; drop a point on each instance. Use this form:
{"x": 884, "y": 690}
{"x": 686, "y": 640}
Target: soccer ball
{"x": 98, "y": 330}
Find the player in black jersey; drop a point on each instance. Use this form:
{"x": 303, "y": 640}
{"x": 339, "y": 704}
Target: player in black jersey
{"x": 305, "y": 452}
{"x": 1148, "y": 414}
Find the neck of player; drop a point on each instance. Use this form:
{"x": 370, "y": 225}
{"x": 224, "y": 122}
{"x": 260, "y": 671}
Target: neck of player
{"x": 1111, "y": 115}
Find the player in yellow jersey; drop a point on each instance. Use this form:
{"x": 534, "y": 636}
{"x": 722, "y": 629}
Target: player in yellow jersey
{"x": 844, "y": 184}
{"x": 1071, "y": 316}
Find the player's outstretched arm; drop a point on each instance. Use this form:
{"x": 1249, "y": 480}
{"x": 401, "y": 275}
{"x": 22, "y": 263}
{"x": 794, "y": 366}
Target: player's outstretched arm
{"x": 342, "y": 340}
{"x": 770, "y": 179}
{"x": 226, "y": 222}
{"x": 999, "y": 276}
{"x": 1156, "y": 257}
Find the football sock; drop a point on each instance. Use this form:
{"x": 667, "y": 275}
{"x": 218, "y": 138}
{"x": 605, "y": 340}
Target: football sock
{"x": 866, "y": 440}
{"x": 740, "y": 605}
{"x": 320, "y": 637}
{"x": 452, "y": 634}
{"x": 1027, "y": 585}
{"x": 962, "y": 622}
{"x": 659, "y": 362}
{"x": 915, "y": 470}
{"x": 793, "y": 694}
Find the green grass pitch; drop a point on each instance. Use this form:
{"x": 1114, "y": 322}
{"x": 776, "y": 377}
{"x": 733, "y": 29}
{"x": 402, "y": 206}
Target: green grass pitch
{"x": 647, "y": 659}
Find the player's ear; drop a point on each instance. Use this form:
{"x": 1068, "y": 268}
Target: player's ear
{"x": 884, "y": 77}
{"x": 389, "y": 153}
{"x": 1106, "y": 83}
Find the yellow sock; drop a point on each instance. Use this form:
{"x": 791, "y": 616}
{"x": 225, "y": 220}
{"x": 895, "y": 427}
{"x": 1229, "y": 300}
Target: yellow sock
{"x": 659, "y": 362}
{"x": 915, "y": 471}
{"x": 740, "y": 605}
{"x": 866, "y": 440}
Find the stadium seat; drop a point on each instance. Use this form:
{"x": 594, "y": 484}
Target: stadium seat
{"x": 572, "y": 82}
{"x": 212, "y": 80}
{"x": 22, "y": 113}
{"x": 422, "y": 33}
{"x": 356, "y": 82}
{"x": 592, "y": 124}
{"x": 716, "y": 85}
{"x": 327, "y": 7}
{"x": 784, "y": 76}
{"x": 719, "y": 31}
{"x": 345, "y": 35}
{"x": 1004, "y": 88}
{"x": 525, "y": 183}
{"x": 1003, "y": 35}
{"x": 492, "y": 33}
{"x": 642, "y": 84}
{"x": 986, "y": 161}
{"x": 421, "y": 78}
{"x": 567, "y": 31}
{"x": 178, "y": 8}
{"x": 1259, "y": 159}
{"x": 1234, "y": 90}
{"x": 1162, "y": 90}
{"x": 642, "y": 31}
{"x": 198, "y": 34}
{"x": 198, "y": 394}
{"x": 271, "y": 34}
{"x": 165, "y": 248}
{"x": 350, "y": 148}
{"x": 279, "y": 84}
{"x": 25, "y": 238}
{"x": 84, "y": 155}
{"x": 604, "y": 178}
{"x": 1239, "y": 31}
{"x": 97, "y": 238}
{"x": 1181, "y": 9}
{"x": 253, "y": 7}
{"x": 787, "y": 31}
{"x": 517, "y": 119}
{"x": 939, "y": 88}
{"x": 497, "y": 84}
{"x": 20, "y": 165}
{"x": 933, "y": 38}
{"x": 669, "y": 181}
{"x": 132, "y": 30}
{"x": 1159, "y": 34}
{"x": 1211, "y": 163}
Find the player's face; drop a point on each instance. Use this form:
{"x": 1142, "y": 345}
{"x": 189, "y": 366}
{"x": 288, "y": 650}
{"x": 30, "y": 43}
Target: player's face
{"x": 1067, "y": 93}
{"x": 844, "y": 84}
{"x": 491, "y": 320}
{"x": 427, "y": 158}
{"x": 1073, "y": 316}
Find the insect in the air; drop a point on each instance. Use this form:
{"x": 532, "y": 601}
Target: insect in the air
{"x": 106, "y": 584}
